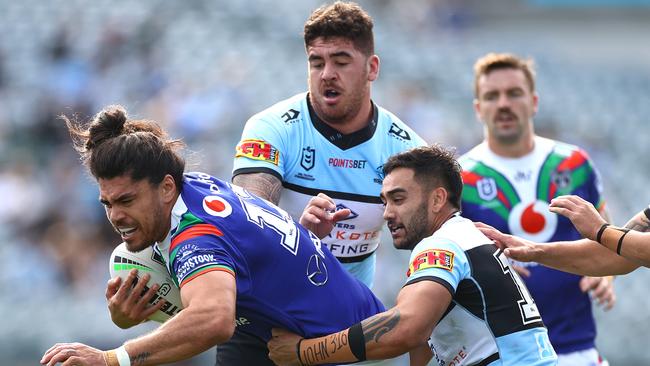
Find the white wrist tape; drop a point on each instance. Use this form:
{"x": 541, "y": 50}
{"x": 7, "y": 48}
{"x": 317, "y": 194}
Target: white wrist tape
{"x": 122, "y": 356}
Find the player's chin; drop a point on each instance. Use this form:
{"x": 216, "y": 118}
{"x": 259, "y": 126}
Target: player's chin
{"x": 134, "y": 245}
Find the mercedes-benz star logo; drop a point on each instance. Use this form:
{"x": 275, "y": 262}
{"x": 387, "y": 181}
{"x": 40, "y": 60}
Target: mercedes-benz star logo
{"x": 316, "y": 270}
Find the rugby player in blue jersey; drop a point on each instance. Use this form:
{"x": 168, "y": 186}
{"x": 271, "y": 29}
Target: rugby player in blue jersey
{"x": 333, "y": 139}
{"x": 233, "y": 255}
{"x": 460, "y": 293}
{"x": 510, "y": 179}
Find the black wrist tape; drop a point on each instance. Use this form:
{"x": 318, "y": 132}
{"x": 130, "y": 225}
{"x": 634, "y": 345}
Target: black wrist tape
{"x": 600, "y": 232}
{"x": 620, "y": 241}
{"x": 647, "y": 212}
{"x": 357, "y": 342}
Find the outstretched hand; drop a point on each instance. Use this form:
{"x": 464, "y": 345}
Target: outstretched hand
{"x": 582, "y": 214}
{"x": 73, "y": 354}
{"x": 514, "y": 247}
{"x": 320, "y": 215}
{"x": 283, "y": 347}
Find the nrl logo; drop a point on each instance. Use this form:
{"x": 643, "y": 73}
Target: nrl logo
{"x": 487, "y": 189}
{"x": 308, "y": 158}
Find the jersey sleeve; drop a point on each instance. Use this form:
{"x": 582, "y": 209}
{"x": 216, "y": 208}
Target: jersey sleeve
{"x": 199, "y": 255}
{"x": 260, "y": 149}
{"x": 438, "y": 260}
{"x": 596, "y": 185}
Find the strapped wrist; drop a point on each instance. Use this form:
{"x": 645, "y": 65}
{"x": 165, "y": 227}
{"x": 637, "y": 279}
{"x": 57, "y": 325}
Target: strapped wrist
{"x": 123, "y": 358}
{"x": 599, "y": 235}
{"x": 298, "y": 352}
{"x": 110, "y": 358}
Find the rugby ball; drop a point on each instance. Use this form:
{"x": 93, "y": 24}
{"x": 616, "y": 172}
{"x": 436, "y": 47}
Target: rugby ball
{"x": 148, "y": 261}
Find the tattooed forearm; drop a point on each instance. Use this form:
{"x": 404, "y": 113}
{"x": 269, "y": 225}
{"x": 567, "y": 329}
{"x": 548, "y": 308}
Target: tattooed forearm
{"x": 375, "y": 327}
{"x": 639, "y": 223}
{"x": 140, "y": 359}
{"x": 264, "y": 185}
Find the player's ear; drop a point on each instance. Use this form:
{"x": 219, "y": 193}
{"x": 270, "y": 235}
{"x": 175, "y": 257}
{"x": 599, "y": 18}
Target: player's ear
{"x": 373, "y": 67}
{"x": 168, "y": 188}
{"x": 437, "y": 199}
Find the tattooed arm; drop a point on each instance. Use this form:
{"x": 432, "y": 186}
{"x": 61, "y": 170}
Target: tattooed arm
{"x": 206, "y": 320}
{"x": 265, "y": 185}
{"x": 401, "y": 329}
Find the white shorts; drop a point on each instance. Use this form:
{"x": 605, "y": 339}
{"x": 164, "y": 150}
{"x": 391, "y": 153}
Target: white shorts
{"x": 588, "y": 357}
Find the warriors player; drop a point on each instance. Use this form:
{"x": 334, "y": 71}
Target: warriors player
{"x": 460, "y": 293}
{"x": 510, "y": 179}
{"x": 238, "y": 259}
{"x": 332, "y": 140}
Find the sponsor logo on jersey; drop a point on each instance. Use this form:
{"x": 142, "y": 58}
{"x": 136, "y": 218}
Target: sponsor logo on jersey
{"x": 240, "y": 320}
{"x": 562, "y": 179}
{"x": 487, "y": 189}
{"x": 308, "y": 158}
{"x": 304, "y": 176}
{"x": 290, "y": 116}
{"x": 523, "y": 176}
{"x": 352, "y": 215}
{"x": 195, "y": 262}
{"x": 380, "y": 174}
{"x": 546, "y": 351}
{"x": 316, "y": 270}
{"x": 398, "y": 132}
{"x": 216, "y": 206}
{"x": 347, "y": 163}
{"x": 432, "y": 258}
{"x": 258, "y": 150}
{"x": 532, "y": 221}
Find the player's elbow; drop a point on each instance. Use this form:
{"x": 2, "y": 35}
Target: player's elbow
{"x": 220, "y": 330}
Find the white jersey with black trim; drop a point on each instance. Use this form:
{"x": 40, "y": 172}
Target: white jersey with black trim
{"x": 289, "y": 141}
{"x": 492, "y": 319}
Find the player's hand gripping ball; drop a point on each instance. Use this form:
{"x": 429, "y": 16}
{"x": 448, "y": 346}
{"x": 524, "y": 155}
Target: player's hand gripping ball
{"x": 148, "y": 261}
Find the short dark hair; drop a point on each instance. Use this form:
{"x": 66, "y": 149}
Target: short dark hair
{"x": 433, "y": 166}
{"x": 341, "y": 19}
{"x": 111, "y": 145}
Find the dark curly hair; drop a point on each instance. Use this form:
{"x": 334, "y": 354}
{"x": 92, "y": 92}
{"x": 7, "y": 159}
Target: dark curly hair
{"x": 341, "y": 19}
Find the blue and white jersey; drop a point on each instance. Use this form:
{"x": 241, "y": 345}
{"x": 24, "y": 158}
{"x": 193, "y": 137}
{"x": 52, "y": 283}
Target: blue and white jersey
{"x": 289, "y": 141}
{"x": 492, "y": 319}
{"x": 284, "y": 277}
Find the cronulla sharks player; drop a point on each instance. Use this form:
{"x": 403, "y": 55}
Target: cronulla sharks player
{"x": 332, "y": 140}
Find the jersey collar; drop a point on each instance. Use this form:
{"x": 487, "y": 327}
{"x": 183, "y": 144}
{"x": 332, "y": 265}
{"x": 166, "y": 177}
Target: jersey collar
{"x": 340, "y": 140}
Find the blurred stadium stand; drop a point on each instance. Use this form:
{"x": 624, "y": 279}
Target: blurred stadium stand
{"x": 203, "y": 67}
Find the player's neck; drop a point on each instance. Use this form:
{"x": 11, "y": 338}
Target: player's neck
{"x": 518, "y": 149}
{"x": 357, "y": 122}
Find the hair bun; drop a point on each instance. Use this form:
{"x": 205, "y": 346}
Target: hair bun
{"x": 106, "y": 124}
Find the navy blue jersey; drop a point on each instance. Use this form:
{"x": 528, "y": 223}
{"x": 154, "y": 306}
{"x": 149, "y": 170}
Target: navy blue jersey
{"x": 285, "y": 278}
{"x": 289, "y": 141}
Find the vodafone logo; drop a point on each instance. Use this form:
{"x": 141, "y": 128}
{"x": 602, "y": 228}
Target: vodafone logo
{"x": 216, "y": 206}
{"x": 532, "y": 221}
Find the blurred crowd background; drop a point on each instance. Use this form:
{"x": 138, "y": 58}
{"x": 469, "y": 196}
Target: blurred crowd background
{"x": 201, "y": 68}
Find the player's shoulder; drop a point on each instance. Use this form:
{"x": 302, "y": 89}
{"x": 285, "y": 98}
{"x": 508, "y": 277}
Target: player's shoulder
{"x": 563, "y": 149}
{"x": 475, "y": 155}
{"x": 397, "y": 130}
{"x": 461, "y": 232}
{"x": 284, "y": 112}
